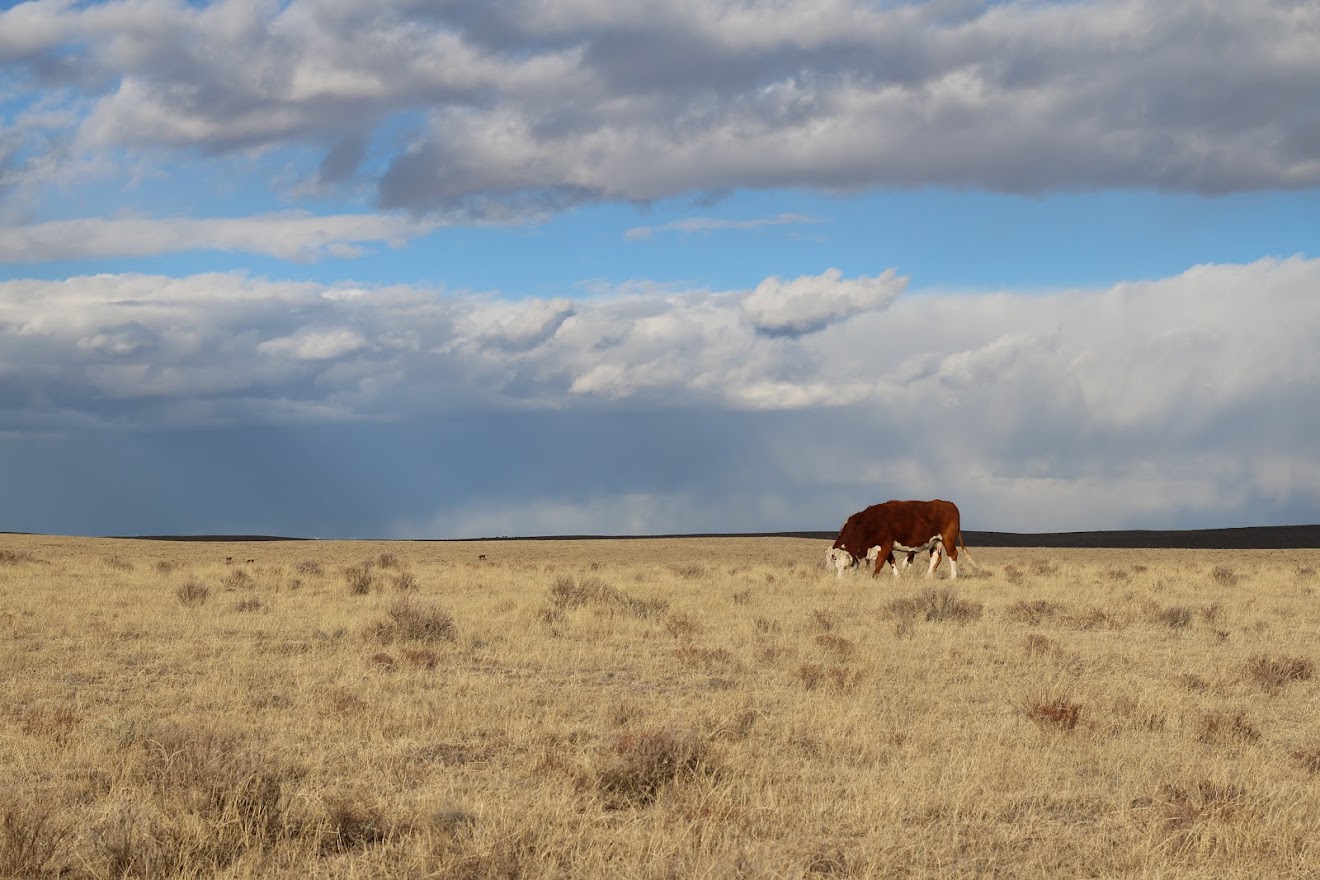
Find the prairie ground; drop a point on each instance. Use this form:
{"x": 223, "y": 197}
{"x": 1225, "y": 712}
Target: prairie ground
{"x": 653, "y": 708}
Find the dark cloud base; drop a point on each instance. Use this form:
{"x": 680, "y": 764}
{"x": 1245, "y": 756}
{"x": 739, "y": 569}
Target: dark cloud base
{"x": 1247, "y": 538}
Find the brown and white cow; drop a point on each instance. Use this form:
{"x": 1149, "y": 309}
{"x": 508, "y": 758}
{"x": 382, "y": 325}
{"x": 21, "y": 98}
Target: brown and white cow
{"x": 907, "y": 526}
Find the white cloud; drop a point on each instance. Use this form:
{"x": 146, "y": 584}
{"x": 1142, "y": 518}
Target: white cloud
{"x": 314, "y": 345}
{"x": 813, "y": 302}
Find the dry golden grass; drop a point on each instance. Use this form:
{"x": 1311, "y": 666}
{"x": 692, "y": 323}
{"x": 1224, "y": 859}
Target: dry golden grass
{"x": 652, "y": 709}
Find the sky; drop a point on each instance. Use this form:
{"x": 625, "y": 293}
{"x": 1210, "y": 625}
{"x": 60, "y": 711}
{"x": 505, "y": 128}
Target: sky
{"x": 479, "y": 268}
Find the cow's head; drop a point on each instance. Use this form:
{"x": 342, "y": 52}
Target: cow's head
{"x": 839, "y": 559}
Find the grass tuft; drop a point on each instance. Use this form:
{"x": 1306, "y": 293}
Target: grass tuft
{"x": 410, "y": 622}
{"x": 1275, "y": 672}
{"x": 1225, "y": 728}
{"x": 1053, "y": 712}
{"x": 359, "y": 578}
{"x": 192, "y": 593}
{"x": 642, "y": 763}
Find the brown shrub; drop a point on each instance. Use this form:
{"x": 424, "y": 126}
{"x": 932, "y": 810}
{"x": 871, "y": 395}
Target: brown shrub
{"x": 192, "y": 592}
{"x": 935, "y": 604}
{"x": 705, "y": 658}
{"x": 1275, "y": 672}
{"x": 56, "y": 724}
{"x": 1053, "y": 713}
{"x": 31, "y": 832}
{"x": 1308, "y": 757}
{"x": 837, "y": 644}
{"x": 310, "y": 567}
{"x": 1174, "y": 617}
{"x": 1221, "y": 728}
{"x": 17, "y": 557}
{"x": 1032, "y": 612}
{"x": 835, "y": 678}
{"x": 641, "y": 763}
{"x": 238, "y": 579}
{"x": 824, "y": 620}
{"x": 352, "y": 823}
{"x": 1039, "y": 645}
{"x": 411, "y": 622}
{"x": 422, "y": 658}
{"x": 117, "y": 563}
{"x": 1180, "y": 807}
{"x": 681, "y": 625}
{"x": 1224, "y": 576}
{"x": 165, "y": 566}
{"x": 405, "y": 582}
{"x": 359, "y": 578}
{"x": 251, "y": 603}
{"x": 569, "y": 592}
{"x": 387, "y": 560}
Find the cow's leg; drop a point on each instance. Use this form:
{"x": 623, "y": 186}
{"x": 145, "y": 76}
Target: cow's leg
{"x": 885, "y": 555}
{"x": 950, "y": 541}
{"x": 934, "y": 560}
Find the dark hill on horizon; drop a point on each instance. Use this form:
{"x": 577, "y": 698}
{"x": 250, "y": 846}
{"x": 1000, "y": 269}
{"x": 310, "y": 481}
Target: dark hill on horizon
{"x": 1245, "y": 538}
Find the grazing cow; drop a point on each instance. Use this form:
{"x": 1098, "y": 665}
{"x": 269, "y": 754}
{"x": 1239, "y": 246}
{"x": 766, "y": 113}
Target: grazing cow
{"x": 906, "y": 526}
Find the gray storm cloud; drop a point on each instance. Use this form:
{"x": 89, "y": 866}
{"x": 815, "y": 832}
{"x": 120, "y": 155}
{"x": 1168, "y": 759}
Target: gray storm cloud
{"x": 519, "y": 108}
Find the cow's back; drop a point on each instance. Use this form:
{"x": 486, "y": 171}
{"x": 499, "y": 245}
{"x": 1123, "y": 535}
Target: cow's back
{"x": 910, "y": 523}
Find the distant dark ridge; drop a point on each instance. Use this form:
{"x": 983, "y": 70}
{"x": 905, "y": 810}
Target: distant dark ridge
{"x": 1247, "y": 538}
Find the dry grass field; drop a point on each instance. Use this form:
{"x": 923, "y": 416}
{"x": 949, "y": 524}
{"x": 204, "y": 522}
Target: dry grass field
{"x": 655, "y": 708}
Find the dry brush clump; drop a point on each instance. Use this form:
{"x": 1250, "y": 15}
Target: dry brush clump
{"x": 569, "y": 592}
{"x": 935, "y": 604}
{"x": 1053, "y": 712}
{"x": 192, "y": 592}
{"x": 640, "y": 764}
{"x": 410, "y": 621}
{"x": 1275, "y": 672}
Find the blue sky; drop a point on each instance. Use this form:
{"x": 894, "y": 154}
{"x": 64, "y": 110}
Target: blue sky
{"x": 331, "y": 269}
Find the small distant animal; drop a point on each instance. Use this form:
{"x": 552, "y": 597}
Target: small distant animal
{"x": 481, "y": 555}
{"x": 250, "y": 561}
{"x": 229, "y": 560}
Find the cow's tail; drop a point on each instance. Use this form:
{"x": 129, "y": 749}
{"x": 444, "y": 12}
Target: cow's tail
{"x": 963, "y": 548}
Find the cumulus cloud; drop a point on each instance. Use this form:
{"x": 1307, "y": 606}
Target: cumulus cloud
{"x": 1173, "y": 352}
{"x": 813, "y": 302}
{"x": 513, "y": 109}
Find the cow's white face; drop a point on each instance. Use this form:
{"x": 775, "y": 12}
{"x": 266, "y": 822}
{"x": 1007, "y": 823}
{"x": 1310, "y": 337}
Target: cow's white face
{"x": 872, "y": 555}
{"x": 839, "y": 559}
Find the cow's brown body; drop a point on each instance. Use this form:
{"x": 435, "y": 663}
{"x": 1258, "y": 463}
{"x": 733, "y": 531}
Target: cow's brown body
{"x": 902, "y": 525}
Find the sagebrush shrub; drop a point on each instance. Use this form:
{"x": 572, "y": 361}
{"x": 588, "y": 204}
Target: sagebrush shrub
{"x": 1273, "y": 672}
{"x": 1053, "y": 713}
{"x": 640, "y": 763}
{"x": 409, "y": 621}
{"x": 192, "y": 592}
{"x": 359, "y": 578}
